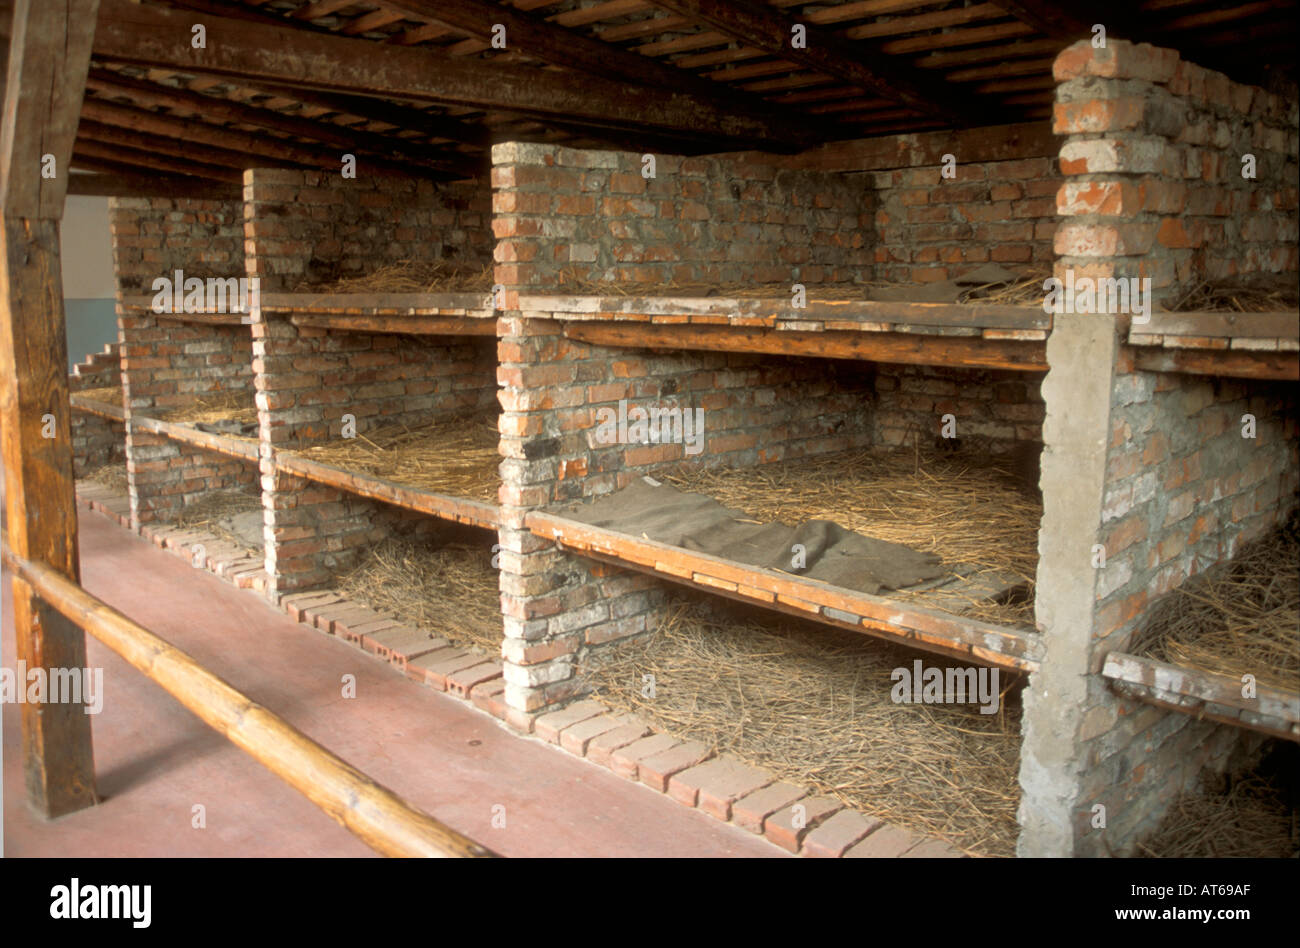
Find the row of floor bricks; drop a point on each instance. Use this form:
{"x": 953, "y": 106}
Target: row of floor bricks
{"x": 727, "y": 788}
{"x": 686, "y": 770}
{"x": 724, "y": 787}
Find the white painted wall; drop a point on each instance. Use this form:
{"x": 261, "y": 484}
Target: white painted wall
{"x": 87, "y": 249}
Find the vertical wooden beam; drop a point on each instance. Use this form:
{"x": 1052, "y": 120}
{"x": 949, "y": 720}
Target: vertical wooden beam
{"x": 49, "y": 53}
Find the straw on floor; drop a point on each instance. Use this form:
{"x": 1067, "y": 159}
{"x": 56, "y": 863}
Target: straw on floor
{"x": 968, "y": 510}
{"x": 812, "y": 705}
{"x": 452, "y": 590}
{"x": 410, "y": 276}
{"x": 1242, "y": 817}
{"x": 208, "y": 512}
{"x": 456, "y": 456}
{"x": 1239, "y": 617}
{"x": 215, "y": 406}
{"x": 111, "y": 474}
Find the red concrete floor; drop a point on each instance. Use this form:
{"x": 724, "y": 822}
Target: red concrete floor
{"x": 155, "y": 761}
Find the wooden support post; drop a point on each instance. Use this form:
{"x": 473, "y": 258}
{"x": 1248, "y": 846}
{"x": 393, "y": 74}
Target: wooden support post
{"x": 49, "y": 54}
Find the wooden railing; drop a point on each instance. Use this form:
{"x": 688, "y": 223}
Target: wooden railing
{"x": 376, "y": 815}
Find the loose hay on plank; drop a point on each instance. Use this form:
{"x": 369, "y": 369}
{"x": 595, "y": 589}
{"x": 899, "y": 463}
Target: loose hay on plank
{"x": 410, "y": 276}
{"x": 456, "y": 456}
{"x": 1263, "y": 294}
{"x": 105, "y": 394}
{"x": 969, "y": 511}
{"x": 451, "y": 591}
{"x": 1237, "y": 618}
{"x": 215, "y": 406}
{"x": 812, "y": 705}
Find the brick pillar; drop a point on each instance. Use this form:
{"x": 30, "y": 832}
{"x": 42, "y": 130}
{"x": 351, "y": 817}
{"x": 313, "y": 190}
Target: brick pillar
{"x": 167, "y": 362}
{"x": 1153, "y": 164}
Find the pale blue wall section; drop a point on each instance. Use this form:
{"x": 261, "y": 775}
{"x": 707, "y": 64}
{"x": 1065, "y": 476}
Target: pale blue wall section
{"x": 91, "y": 323}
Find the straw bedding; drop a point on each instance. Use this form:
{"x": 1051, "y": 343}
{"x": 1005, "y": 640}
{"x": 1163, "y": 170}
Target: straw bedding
{"x": 111, "y": 474}
{"x": 450, "y": 590}
{"x": 215, "y": 406}
{"x": 107, "y": 394}
{"x": 213, "y": 510}
{"x": 456, "y": 456}
{"x": 1236, "y": 618}
{"x": 1258, "y": 295}
{"x": 969, "y": 511}
{"x": 812, "y": 705}
{"x": 1025, "y": 289}
{"x": 1230, "y": 817}
{"x": 410, "y": 276}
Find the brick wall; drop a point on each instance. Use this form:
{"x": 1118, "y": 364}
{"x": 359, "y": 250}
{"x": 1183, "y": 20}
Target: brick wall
{"x": 592, "y": 215}
{"x": 756, "y": 410}
{"x": 930, "y": 228}
{"x": 1154, "y": 468}
{"x": 1153, "y": 166}
{"x": 96, "y": 441}
{"x": 992, "y": 408}
{"x": 315, "y": 226}
{"x": 166, "y": 363}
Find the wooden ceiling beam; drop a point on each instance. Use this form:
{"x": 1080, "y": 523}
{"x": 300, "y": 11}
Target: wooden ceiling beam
{"x": 249, "y": 146}
{"x": 91, "y": 148}
{"x": 551, "y": 43}
{"x": 860, "y": 63}
{"x": 153, "y": 94}
{"x": 176, "y": 148}
{"x": 153, "y": 36}
{"x": 119, "y": 184}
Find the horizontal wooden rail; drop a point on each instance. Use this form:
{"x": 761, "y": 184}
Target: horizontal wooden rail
{"x": 376, "y": 815}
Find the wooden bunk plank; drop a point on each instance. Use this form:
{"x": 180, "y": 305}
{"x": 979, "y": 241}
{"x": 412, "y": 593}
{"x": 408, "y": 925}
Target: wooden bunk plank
{"x": 1204, "y": 694}
{"x": 399, "y": 304}
{"x": 409, "y": 325}
{"x": 243, "y": 448}
{"x": 911, "y": 624}
{"x": 775, "y": 309}
{"x": 1234, "y": 363}
{"x": 904, "y": 348}
{"x": 1277, "y": 325}
{"x": 460, "y": 509}
{"x": 90, "y": 406}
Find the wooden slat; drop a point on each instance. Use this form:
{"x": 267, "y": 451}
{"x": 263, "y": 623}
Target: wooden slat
{"x": 915, "y": 625}
{"x": 243, "y": 448}
{"x": 894, "y": 348}
{"x": 408, "y": 325}
{"x": 1233, "y": 363}
{"x": 154, "y": 36}
{"x": 459, "y": 509}
{"x": 408, "y": 304}
{"x": 371, "y": 812}
{"x": 1204, "y": 694}
{"x": 1280, "y": 325}
{"x": 90, "y": 406}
